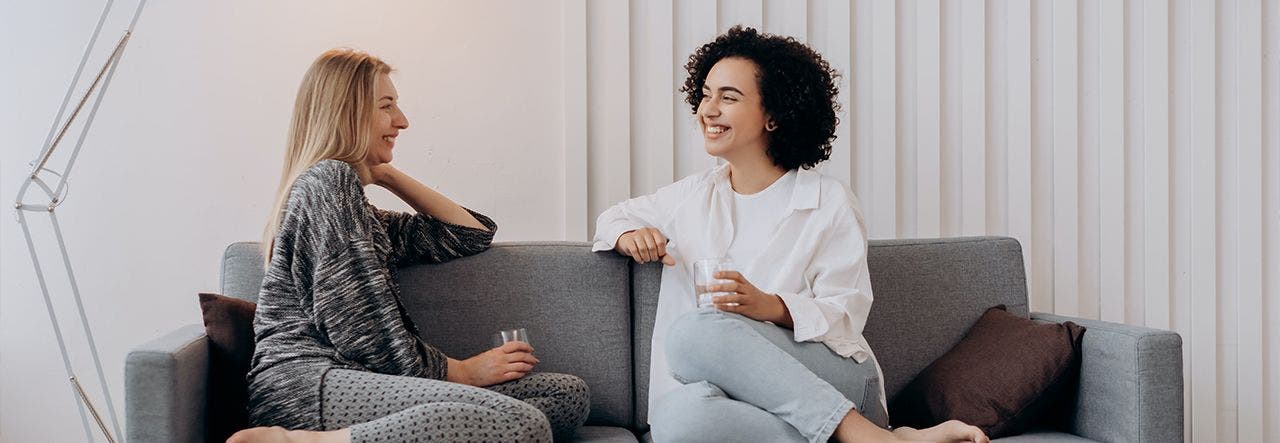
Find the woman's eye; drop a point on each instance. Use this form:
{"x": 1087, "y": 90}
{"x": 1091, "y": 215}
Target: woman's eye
{"x": 730, "y": 99}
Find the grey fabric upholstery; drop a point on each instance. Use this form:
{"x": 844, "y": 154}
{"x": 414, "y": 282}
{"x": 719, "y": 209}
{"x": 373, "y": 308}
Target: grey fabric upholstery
{"x": 645, "y": 281}
{"x": 242, "y": 271}
{"x": 1043, "y": 436}
{"x": 165, "y": 387}
{"x": 1130, "y": 382}
{"x": 575, "y": 304}
{"x": 929, "y": 292}
{"x": 591, "y": 314}
{"x": 604, "y": 434}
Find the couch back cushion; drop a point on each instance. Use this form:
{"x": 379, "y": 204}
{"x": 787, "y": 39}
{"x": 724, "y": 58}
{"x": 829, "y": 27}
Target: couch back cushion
{"x": 575, "y": 304}
{"x": 928, "y": 292}
{"x": 242, "y": 271}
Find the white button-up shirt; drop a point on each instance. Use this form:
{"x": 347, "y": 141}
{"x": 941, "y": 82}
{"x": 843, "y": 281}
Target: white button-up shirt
{"x": 816, "y": 260}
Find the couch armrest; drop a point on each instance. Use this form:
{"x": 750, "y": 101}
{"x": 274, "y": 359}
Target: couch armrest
{"x": 165, "y": 382}
{"x": 1130, "y": 382}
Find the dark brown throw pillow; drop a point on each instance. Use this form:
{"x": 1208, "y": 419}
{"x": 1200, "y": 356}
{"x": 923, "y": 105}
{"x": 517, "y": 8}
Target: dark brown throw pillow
{"x": 1003, "y": 376}
{"x": 228, "y": 322}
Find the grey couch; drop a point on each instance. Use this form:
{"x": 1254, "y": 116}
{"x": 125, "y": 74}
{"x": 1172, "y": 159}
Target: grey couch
{"x": 591, "y": 314}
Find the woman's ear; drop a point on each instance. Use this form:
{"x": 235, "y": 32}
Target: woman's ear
{"x": 770, "y": 125}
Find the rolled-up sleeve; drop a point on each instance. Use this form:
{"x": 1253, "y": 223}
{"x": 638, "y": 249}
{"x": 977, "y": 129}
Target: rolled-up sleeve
{"x": 421, "y": 238}
{"x": 835, "y": 307}
{"x": 648, "y": 210}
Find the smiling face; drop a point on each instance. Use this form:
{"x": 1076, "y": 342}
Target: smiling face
{"x": 386, "y": 122}
{"x": 732, "y": 115}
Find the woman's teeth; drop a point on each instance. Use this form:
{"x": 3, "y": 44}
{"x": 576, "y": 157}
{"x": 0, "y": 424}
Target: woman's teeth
{"x": 716, "y": 129}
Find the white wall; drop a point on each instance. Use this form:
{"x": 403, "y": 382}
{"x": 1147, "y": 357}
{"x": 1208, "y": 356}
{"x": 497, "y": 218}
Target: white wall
{"x": 185, "y": 153}
{"x": 1131, "y": 146}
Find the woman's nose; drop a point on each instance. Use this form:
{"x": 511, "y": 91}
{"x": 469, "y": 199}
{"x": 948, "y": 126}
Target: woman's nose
{"x": 708, "y": 109}
{"x": 400, "y": 121}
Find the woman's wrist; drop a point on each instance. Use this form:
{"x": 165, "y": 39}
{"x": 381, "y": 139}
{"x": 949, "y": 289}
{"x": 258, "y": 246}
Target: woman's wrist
{"x": 784, "y": 319}
{"x": 458, "y": 372}
{"x": 385, "y": 176}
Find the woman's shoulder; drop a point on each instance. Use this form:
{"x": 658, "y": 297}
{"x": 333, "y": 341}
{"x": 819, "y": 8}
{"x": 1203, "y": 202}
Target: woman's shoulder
{"x": 834, "y": 195}
{"x": 329, "y": 175}
{"x": 688, "y": 185}
{"x": 329, "y": 185}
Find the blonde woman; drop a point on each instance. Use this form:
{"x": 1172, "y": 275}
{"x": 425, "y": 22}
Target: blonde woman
{"x": 337, "y": 359}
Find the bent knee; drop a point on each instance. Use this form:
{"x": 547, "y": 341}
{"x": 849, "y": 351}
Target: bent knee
{"x": 699, "y": 334}
{"x": 686, "y": 413}
{"x": 533, "y": 424}
{"x": 573, "y": 390}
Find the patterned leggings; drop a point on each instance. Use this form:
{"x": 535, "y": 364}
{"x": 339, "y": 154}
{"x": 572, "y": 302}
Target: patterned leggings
{"x": 391, "y": 408}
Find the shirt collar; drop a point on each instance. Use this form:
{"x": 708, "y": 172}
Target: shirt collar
{"x": 804, "y": 195}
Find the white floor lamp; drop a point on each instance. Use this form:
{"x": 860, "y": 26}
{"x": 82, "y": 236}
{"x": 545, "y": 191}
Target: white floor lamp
{"x": 54, "y": 196}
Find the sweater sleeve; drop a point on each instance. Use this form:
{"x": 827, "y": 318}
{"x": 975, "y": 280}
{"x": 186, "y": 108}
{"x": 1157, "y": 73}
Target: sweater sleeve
{"x": 352, "y": 302}
{"x": 421, "y": 238}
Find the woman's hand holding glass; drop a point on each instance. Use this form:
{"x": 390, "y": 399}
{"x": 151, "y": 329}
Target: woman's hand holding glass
{"x": 502, "y": 364}
{"x": 744, "y": 298}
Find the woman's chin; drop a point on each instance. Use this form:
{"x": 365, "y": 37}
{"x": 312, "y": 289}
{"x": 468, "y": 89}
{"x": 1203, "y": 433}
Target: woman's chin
{"x": 715, "y": 149}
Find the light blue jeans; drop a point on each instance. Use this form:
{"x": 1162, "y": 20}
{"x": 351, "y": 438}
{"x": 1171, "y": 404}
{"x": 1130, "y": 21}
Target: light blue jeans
{"x": 746, "y": 380}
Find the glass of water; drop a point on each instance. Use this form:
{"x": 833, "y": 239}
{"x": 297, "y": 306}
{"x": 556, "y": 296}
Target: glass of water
{"x": 502, "y": 337}
{"x": 704, "y": 276}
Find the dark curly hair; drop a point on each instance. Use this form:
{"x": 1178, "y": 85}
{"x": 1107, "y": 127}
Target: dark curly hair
{"x": 797, "y": 85}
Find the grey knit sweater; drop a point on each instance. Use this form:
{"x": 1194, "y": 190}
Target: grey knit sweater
{"x": 329, "y": 298}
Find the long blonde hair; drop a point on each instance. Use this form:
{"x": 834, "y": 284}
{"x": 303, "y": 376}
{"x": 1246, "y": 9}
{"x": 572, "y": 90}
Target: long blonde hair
{"x": 331, "y": 118}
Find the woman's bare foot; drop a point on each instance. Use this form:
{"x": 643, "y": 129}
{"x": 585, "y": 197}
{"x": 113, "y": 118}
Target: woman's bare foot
{"x": 950, "y": 431}
{"x": 276, "y": 434}
{"x": 856, "y": 428}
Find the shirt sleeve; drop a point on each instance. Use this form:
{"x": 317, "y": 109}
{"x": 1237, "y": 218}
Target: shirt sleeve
{"x": 648, "y": 210}
{"x": 421, "y": 238}
{"x": 834, "y": 309}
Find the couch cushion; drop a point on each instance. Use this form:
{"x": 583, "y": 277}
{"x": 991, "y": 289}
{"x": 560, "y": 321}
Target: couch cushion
{"x": 242, "y": 271}
{"x": 646, "y": 279}
{"x": 228, "y": 322}
{"x": 1044, "y": 436}
{"x": 929, "y": 292}
{"x": 603, "y": 434}
{"x": 575, "y": 304}
{"x": 1002, "y": 377}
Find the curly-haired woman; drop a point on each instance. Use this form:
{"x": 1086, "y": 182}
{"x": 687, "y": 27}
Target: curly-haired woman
{"x": 780, "y": 356}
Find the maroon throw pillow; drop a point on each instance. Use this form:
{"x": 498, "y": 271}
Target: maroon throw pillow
{"x": 228, "y": 322}
{"x": 1007, "y": 374}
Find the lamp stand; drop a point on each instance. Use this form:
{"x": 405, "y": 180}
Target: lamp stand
{"x": 54, "y": 196}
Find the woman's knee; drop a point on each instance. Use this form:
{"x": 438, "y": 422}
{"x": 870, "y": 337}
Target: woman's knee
{"x": 686, "y": 413}
{"x": 533, "y": 424}
{"x": 699, "y": 412}
{"x": 574, "y": 392}
{"x": 699, "y": 335}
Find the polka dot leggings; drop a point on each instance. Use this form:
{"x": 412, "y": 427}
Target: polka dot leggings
{"x": 391, "y": 408}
